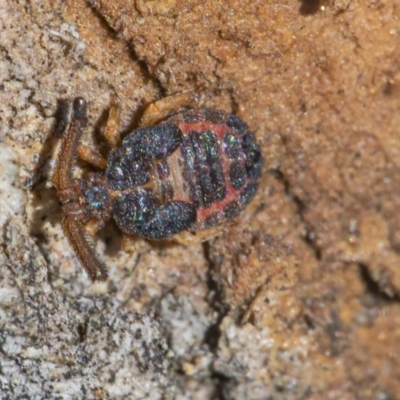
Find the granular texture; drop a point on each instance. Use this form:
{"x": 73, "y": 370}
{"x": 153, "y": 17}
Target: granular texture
{"x": 300, "y": 298}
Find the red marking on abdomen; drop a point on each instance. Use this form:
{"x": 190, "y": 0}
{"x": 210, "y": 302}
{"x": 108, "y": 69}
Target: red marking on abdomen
{"x": 219, "y": 129}
{"x": 231, "y": 194}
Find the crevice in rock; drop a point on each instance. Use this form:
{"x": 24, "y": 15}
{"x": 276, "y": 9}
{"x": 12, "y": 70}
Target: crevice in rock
{"x": 233, "y": 101}
{"x": 82, "y": 331}
{"x": 216, "y": 302}
{"x": 300, "y": 207}
{"x": 220, "y": 381}
{"x": 373, "y": 288}
{"x": 213, "y": 333}
{"x": 144, "y": 69}
{"x": 309, "y": 7}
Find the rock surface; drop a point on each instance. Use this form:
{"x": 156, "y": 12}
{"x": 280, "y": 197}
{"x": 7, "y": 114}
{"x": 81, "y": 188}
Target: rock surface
{"x": 300, "y": 298}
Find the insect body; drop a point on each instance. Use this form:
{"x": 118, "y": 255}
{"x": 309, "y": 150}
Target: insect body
{"x": 181, "y": 179}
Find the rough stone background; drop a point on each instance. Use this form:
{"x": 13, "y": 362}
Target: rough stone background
{"x": 300, "y": 298}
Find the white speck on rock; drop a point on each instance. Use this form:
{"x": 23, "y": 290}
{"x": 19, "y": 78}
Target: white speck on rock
{"x": 12, "y": 198}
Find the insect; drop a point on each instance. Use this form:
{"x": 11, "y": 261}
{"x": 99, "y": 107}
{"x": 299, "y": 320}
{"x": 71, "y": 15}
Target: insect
{"x": 181, "y": 175}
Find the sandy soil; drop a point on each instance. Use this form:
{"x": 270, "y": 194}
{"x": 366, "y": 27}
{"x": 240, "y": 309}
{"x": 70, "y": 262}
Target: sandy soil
{"x": 300, "y": 297}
